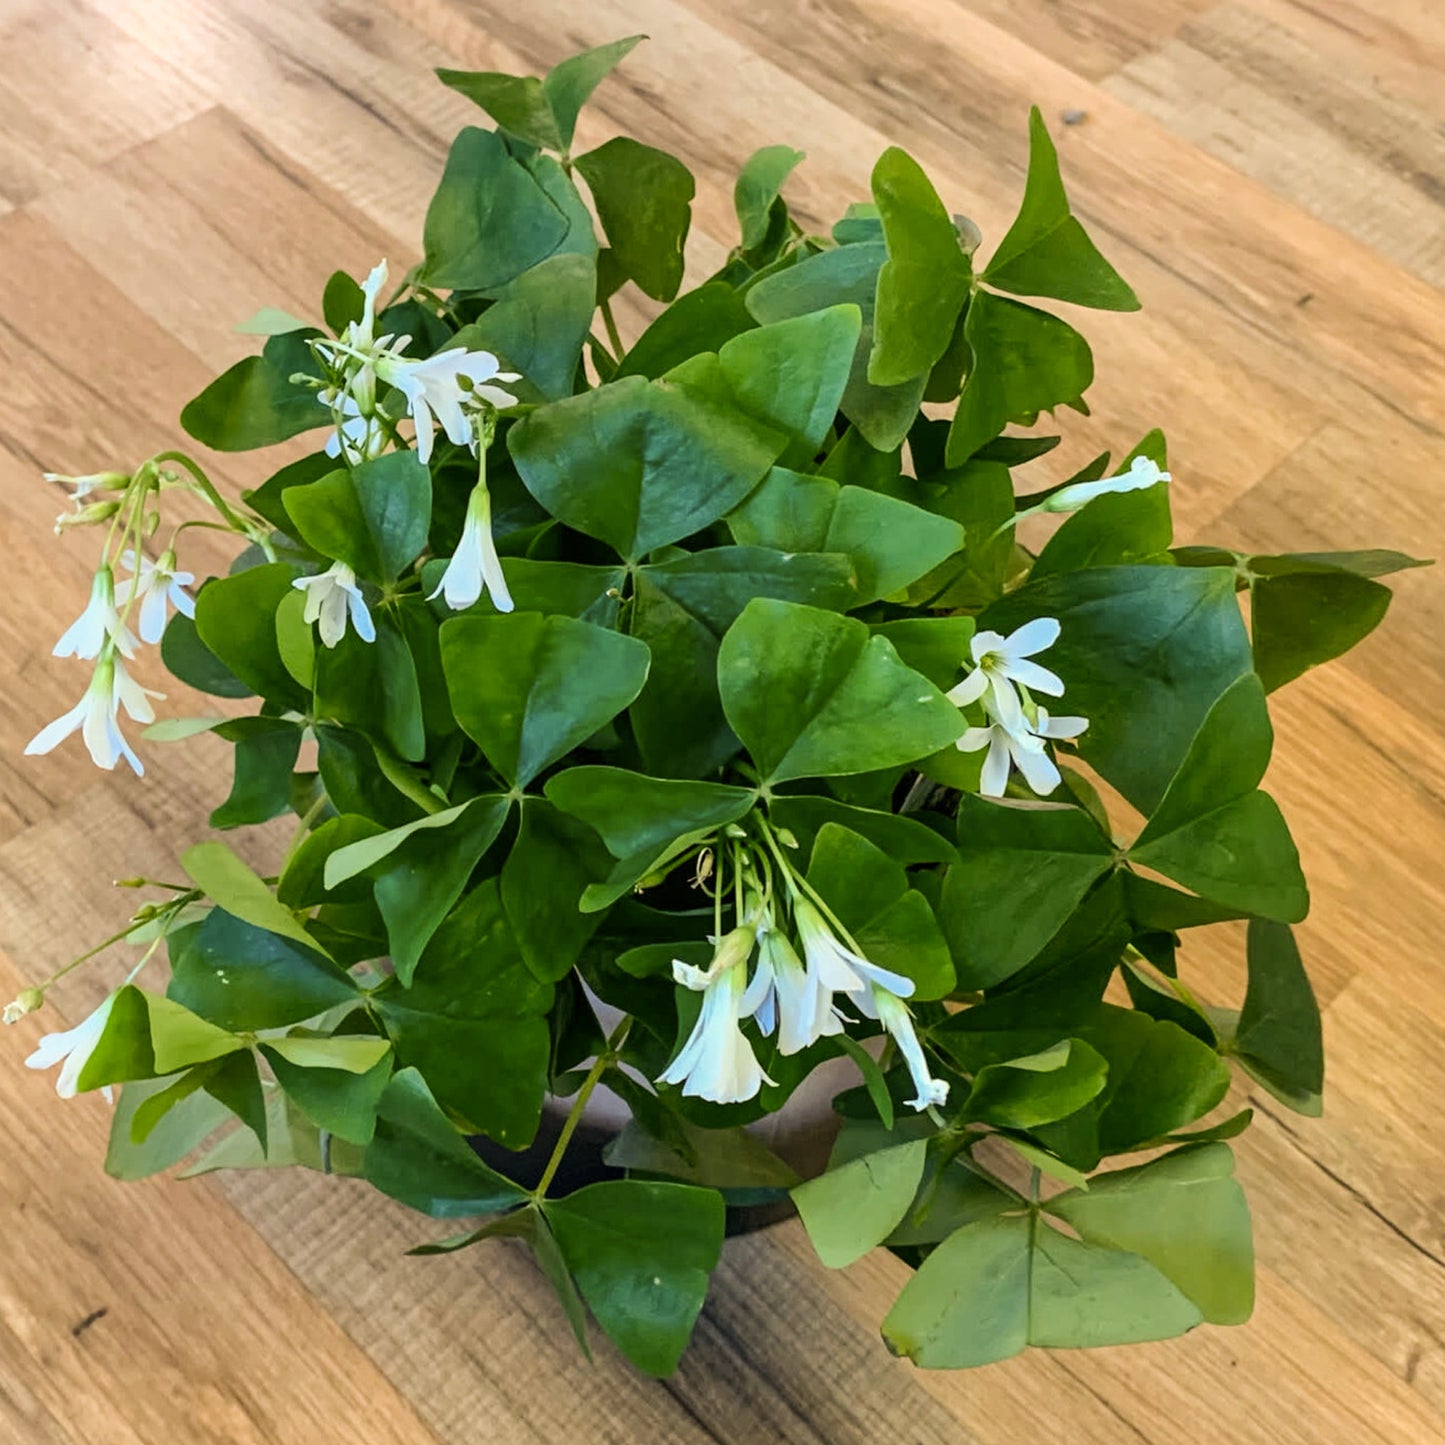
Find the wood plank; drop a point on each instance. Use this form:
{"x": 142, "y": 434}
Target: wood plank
{"x": 1092, "y": 37}
{"x": 1250, "y": 92}
{"x": 344, "y": 90}
{"x": 1362, "y": 477}
{"x": 75, "y": 92}
{"x": 263, "y": 231}
{"x": 1404, "y": 41}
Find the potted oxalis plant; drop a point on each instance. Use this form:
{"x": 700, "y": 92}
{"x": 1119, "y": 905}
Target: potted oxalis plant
{"x": 680, "y": 717}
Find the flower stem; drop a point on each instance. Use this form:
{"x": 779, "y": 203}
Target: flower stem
{"x": 208, "y": 487}
{"x": 600, "y": 1065}
{"x": 303, "y": 827}
{"x": 797, "y": 883}
{"x": 613, "y": 335}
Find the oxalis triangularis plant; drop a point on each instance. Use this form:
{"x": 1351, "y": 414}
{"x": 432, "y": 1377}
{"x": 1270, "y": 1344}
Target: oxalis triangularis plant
{"x": 707, "y": 678}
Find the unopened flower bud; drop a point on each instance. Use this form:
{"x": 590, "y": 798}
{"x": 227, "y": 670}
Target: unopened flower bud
{"x": 1142, "y": 474}
{"x": 92, "y": 482}
{"x": 28, "y": 1001}
{"x": 87, "y": 516}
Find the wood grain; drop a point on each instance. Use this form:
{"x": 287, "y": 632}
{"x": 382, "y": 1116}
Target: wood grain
{"x": 1270, "y": 176}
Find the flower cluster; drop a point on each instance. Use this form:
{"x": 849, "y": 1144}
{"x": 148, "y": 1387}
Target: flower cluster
{"x": 798, "y": 999}
{"x": 102, "y": 635}
{"x": 1003, "y": 679}
{"x": 456, "y": 391}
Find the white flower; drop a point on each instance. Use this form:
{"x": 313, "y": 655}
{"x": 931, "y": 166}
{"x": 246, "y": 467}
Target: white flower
{"x": 154, "y": 585}
{"x": 1142, "y": 473}
{"x": 26, "y": 1002}
{"x": 92, "y": 514}
{"x": 803, "y": 1011}
{"x": 1001, "y": 662}
{"x": 362, "y": 333}
{"x": 98, "y": 625}
{"x": 717, "y": 1061}
{"x": 435, "y": 391}
{"x": 893, "y": 1014}
{"x": 475, "y": 563}
{"x": 1068, "y": 728}
{"x": 330, "y": 596}
{"x": 1023, "y": 748}
{"x": 876, "y": 992}
{"x": 74, "y": 1046}
{"x": 835, "y": 968}
{"x": 96, "y": 717}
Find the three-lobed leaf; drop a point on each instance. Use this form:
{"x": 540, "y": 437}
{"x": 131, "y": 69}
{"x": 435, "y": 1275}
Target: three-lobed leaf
{"x": 530, "y": 688}
{"x": 812, "y": 694}
{"x": 639, "y": 465}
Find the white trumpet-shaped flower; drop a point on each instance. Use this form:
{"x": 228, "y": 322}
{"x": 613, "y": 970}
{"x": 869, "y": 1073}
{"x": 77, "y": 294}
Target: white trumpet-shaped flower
{"x": 96, "y": 717}
{"x": 877, "y": 993}
{"x": 802, "y": 1011}
{"x": 154, "y": 585}
{"x": 893, "y": 1014}
{"x": 717, "y": 1062}
{"x": 332, "y": 596}
{"x": 1021, "y": 748}
{"x": 440, "y": 388}
{"x": 99, "y": 625}
{"x": 361, "y": 333}
{"x": 1141, "y": 473}
{"x": 836, "y": 968}
{"x": 475, "y": 564}
{"x": 1001, "y": 664}
{"x": 72, "y": 1049}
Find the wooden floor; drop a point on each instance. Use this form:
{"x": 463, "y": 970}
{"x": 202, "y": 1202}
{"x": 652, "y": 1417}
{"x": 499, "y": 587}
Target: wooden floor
{"x": 1269, "y": 174}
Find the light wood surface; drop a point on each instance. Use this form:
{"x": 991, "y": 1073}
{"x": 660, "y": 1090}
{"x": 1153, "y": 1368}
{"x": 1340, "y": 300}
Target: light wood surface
{"x": 1269, "y": 174}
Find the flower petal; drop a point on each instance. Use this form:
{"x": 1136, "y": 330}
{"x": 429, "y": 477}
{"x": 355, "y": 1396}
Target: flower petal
{"x": 994, "y": 778}
{"x": 970, "y": 689}
{"x": 1034, "y": 677}
{"x": 1032, "y": 637}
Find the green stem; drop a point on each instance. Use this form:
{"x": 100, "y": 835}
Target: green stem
{"x": 132, "y": 535}
{"x": 1177, "y": 986}
{"x": 600, "y": 1065}
{"x": 797, "y": 883}
{"x": 303, "y": 828}
{"x": 120, "y": 937}
{"x": 246, "y": 526}
{"x": 613, "y": 335}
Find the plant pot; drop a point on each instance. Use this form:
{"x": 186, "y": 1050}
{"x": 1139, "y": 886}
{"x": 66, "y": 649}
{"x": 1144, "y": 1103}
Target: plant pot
{"x": 801, "y": 1133}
